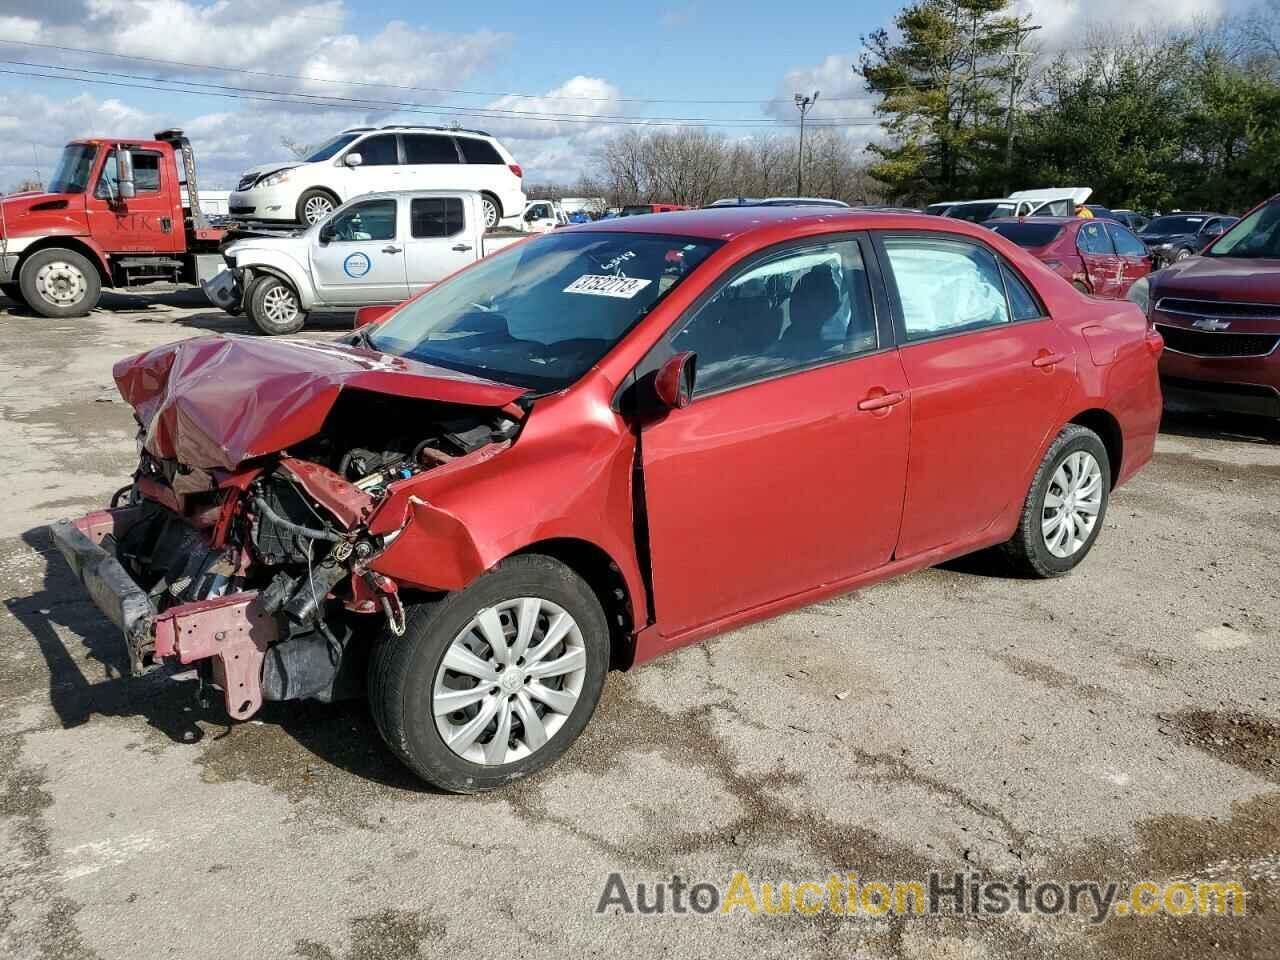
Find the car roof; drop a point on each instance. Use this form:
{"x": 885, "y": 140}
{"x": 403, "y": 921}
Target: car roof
{"x": 729, "y": 223}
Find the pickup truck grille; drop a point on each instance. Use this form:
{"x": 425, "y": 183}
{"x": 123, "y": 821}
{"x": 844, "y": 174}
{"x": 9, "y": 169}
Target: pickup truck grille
{"x": 247, "y": 181}
{"x": 1197, "y": 343}
{"x": 1219, "y": 309}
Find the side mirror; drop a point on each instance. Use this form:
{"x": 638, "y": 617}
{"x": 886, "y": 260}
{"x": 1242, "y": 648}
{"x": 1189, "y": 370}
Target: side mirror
{"x": 368, "y": 315}
{"x": 325, "y": 234}
{"x": 674, "y": 381}
{"x": 124, "y": 173}
{"x": 353, "y": 160}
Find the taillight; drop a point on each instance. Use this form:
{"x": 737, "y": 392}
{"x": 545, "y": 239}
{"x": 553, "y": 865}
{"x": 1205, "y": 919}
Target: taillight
{"x": 515, "y": 168}
{"x": 1155, "y": 342}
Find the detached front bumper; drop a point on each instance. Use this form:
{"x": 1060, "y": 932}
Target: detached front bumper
{"x": 231, "y": 631}
{"x": 226, "y": 291}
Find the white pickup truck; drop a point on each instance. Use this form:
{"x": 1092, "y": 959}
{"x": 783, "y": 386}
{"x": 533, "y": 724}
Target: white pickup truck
{"x": 377, "y": 248}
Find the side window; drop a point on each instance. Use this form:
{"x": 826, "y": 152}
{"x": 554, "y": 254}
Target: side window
{"x": 435, "y": 217}
{"x": 478, "y": 151}
{"x": 1127, "y": 245}
{"x": 800, "y": 308}
{"x": 371, "y": 220}
{"x": 379, "y": 151}
{"x": 146, "y": 175}
{"x": 428, "y": 148}
{"x": 1093, "y": 238}
{"x": 1022, "y": 301}
{"x": 946, "y": 286}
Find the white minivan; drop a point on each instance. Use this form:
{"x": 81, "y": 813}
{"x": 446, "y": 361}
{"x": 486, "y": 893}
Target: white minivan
{"x": 368, "y": 159}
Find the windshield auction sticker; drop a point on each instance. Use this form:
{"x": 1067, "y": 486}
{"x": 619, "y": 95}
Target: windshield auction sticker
{"x": 597, "y": 286}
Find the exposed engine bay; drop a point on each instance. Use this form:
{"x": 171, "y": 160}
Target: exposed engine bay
{"x": 273, "y": 559}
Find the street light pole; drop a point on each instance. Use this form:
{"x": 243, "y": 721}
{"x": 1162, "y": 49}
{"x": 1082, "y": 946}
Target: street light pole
{"x": 803, "y": 104}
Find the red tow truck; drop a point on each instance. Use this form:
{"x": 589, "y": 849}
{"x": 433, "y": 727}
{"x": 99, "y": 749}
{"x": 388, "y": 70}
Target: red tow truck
{"x": 118, "y": 213}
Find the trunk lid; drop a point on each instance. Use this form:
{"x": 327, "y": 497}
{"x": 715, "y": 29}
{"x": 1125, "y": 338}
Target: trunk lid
{"x": 214, "y": 402}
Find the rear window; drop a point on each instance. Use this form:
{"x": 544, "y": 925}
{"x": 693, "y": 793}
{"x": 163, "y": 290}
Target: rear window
{"x": 1029, "y": 234}
{"x": 479, "y": 151}
{"x": 635, "y": 211}
{"x": 978, "y": 212}
{"x": 435, "y": 216}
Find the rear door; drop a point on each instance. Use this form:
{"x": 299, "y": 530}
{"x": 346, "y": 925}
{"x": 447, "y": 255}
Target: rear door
{"x": 357, "y": 256}
{"x": 988, "y": 372}
{"x": 430, "y": 162}
{"x": 440, "y": 240}
{"x": 1103, "y": 266}
{"x": 779, "y": 476}
{"x": 144, "y": 223}
{"x": 1135, "y": 261}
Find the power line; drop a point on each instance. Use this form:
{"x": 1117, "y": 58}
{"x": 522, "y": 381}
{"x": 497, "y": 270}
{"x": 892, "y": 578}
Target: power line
{"x": 327, "y": 102}
{"x": 393, "y": 86}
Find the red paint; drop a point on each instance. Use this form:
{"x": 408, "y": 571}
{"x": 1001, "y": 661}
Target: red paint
{"x": 755, "y": 500}
{"x": 338, "y": 496}
{"x": 1102, "y": 274}
{"x": 372, "y": 314}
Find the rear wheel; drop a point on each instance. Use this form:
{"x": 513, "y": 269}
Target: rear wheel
{"x": 274, "y": 307}
{"x": 314, "y": 205}
{"x": 492, "y": 211}
{"x": 494, "y": 682}
{"x": 59, "y": 283}
{"x": 1065, "y": 509}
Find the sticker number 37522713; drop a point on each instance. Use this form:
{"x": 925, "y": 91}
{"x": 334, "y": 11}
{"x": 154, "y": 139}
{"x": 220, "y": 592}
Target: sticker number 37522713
{"x": 597, "y": 286}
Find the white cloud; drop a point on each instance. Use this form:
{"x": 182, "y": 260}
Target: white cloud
{"x": 1063, "y": 22}
{"x": 842, "y": 96}
{"x": 584, "y": 96}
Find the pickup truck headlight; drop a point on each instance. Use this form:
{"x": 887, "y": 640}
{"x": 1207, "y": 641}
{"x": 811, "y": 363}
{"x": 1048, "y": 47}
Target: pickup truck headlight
{"x": 274, "y": 179}
{"x": 1140, "y": 293}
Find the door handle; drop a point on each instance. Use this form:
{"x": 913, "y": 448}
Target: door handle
{"x": 1048, "y": 360}
{"x": 461, "y": 247}
{"x": 392, "y": 249}
{"x": 881, "y": 401}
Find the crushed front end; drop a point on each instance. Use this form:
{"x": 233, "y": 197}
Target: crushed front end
{"x": 262, "y": 576}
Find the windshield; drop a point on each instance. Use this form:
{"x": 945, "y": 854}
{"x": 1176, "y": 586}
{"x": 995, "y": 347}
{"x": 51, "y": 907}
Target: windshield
{"x": 329, "y": 149}
{"x": 1028, "y": 234}
{"x": 1175, "y": 225}
{"x": 540, "y": 314}
{"x": 978, "y": 212}
{"x": 74, "y": 167}
{"x": 1256, "y": 236}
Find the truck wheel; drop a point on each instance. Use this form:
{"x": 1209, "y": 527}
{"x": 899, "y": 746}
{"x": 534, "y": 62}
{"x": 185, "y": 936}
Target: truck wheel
{"x": 494, "y": 682}
{"x": 274, "y": 308}
{"x": 1065, "y": 508}
{"x": 14, "y": 293}
{"x": 314, "y": 205}
{"x": 492, "y": 211}
{"x": 59, "y": 283}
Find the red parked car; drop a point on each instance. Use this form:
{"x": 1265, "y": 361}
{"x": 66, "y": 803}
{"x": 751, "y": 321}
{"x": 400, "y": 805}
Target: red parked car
{"x": 600, "y": 445}
{"x": 1098, "y": 256}
{"x": 1219, "y": 314}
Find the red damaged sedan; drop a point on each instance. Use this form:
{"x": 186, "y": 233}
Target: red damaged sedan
{"x": 1100, "y": 257}
{"x": 598, "y": 446}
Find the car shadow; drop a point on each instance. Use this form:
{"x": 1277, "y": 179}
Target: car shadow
{"x": 1239, "y": 428}
{"x": 342, "y": 735}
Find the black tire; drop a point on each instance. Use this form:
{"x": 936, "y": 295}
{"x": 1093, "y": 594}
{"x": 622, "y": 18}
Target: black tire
{"x": 261, "y": 312}
{"x": 1027, "y": 551}
{"x": 1181, "y": 255}
{"x": 402, "y": 672}
{"x": 45, "y": 295}
{"x": 306, "y": 217}
{"x": 14, "y": 293}
{"x": 492, "y": 210}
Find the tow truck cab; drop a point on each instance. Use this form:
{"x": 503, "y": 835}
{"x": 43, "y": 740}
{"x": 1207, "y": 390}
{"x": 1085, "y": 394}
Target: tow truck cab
{"x": 118, "y": 213}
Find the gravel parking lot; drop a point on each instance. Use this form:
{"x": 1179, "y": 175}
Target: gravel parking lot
{"x": 1122, "y": 723}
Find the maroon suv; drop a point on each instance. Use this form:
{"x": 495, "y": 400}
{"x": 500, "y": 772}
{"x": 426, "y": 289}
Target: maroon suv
{"x": 1219, "y": 314}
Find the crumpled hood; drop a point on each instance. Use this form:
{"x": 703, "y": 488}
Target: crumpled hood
{"x": 263, "y": 169}
{"x": 1245, "y": 279}
{"x": 217, "y": 401}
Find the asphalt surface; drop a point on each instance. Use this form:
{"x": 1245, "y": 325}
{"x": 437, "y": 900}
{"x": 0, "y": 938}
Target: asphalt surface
{"x": 1122, "y": 723}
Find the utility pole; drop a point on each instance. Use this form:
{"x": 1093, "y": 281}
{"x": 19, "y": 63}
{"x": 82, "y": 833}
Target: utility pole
{"x": 803, "y": 104}
{"x": 1015, "y": 81}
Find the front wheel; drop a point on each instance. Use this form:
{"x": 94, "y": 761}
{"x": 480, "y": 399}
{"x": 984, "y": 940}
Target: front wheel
{"x": 1064, "y": 510}
{"x": 1181, "y": 255}
{"x": 314, "y": 205}
{"x": 494, "y": 682}
{"x": 59, "y": 283}
{"x": 274, "y": 307}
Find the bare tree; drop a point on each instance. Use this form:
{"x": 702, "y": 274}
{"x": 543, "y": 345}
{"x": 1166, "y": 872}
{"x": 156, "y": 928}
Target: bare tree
{"x": 300, "y": 151}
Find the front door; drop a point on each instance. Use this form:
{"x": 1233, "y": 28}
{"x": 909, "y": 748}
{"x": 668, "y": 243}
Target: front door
{"x": 1104, "y": 267}
{"x": 356, "y": 257}
{"x": 786, "y": 471}
{"x": 988, "y": 373}
{"x": 145, "y": 223}
{"x": 439, "y": 240}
